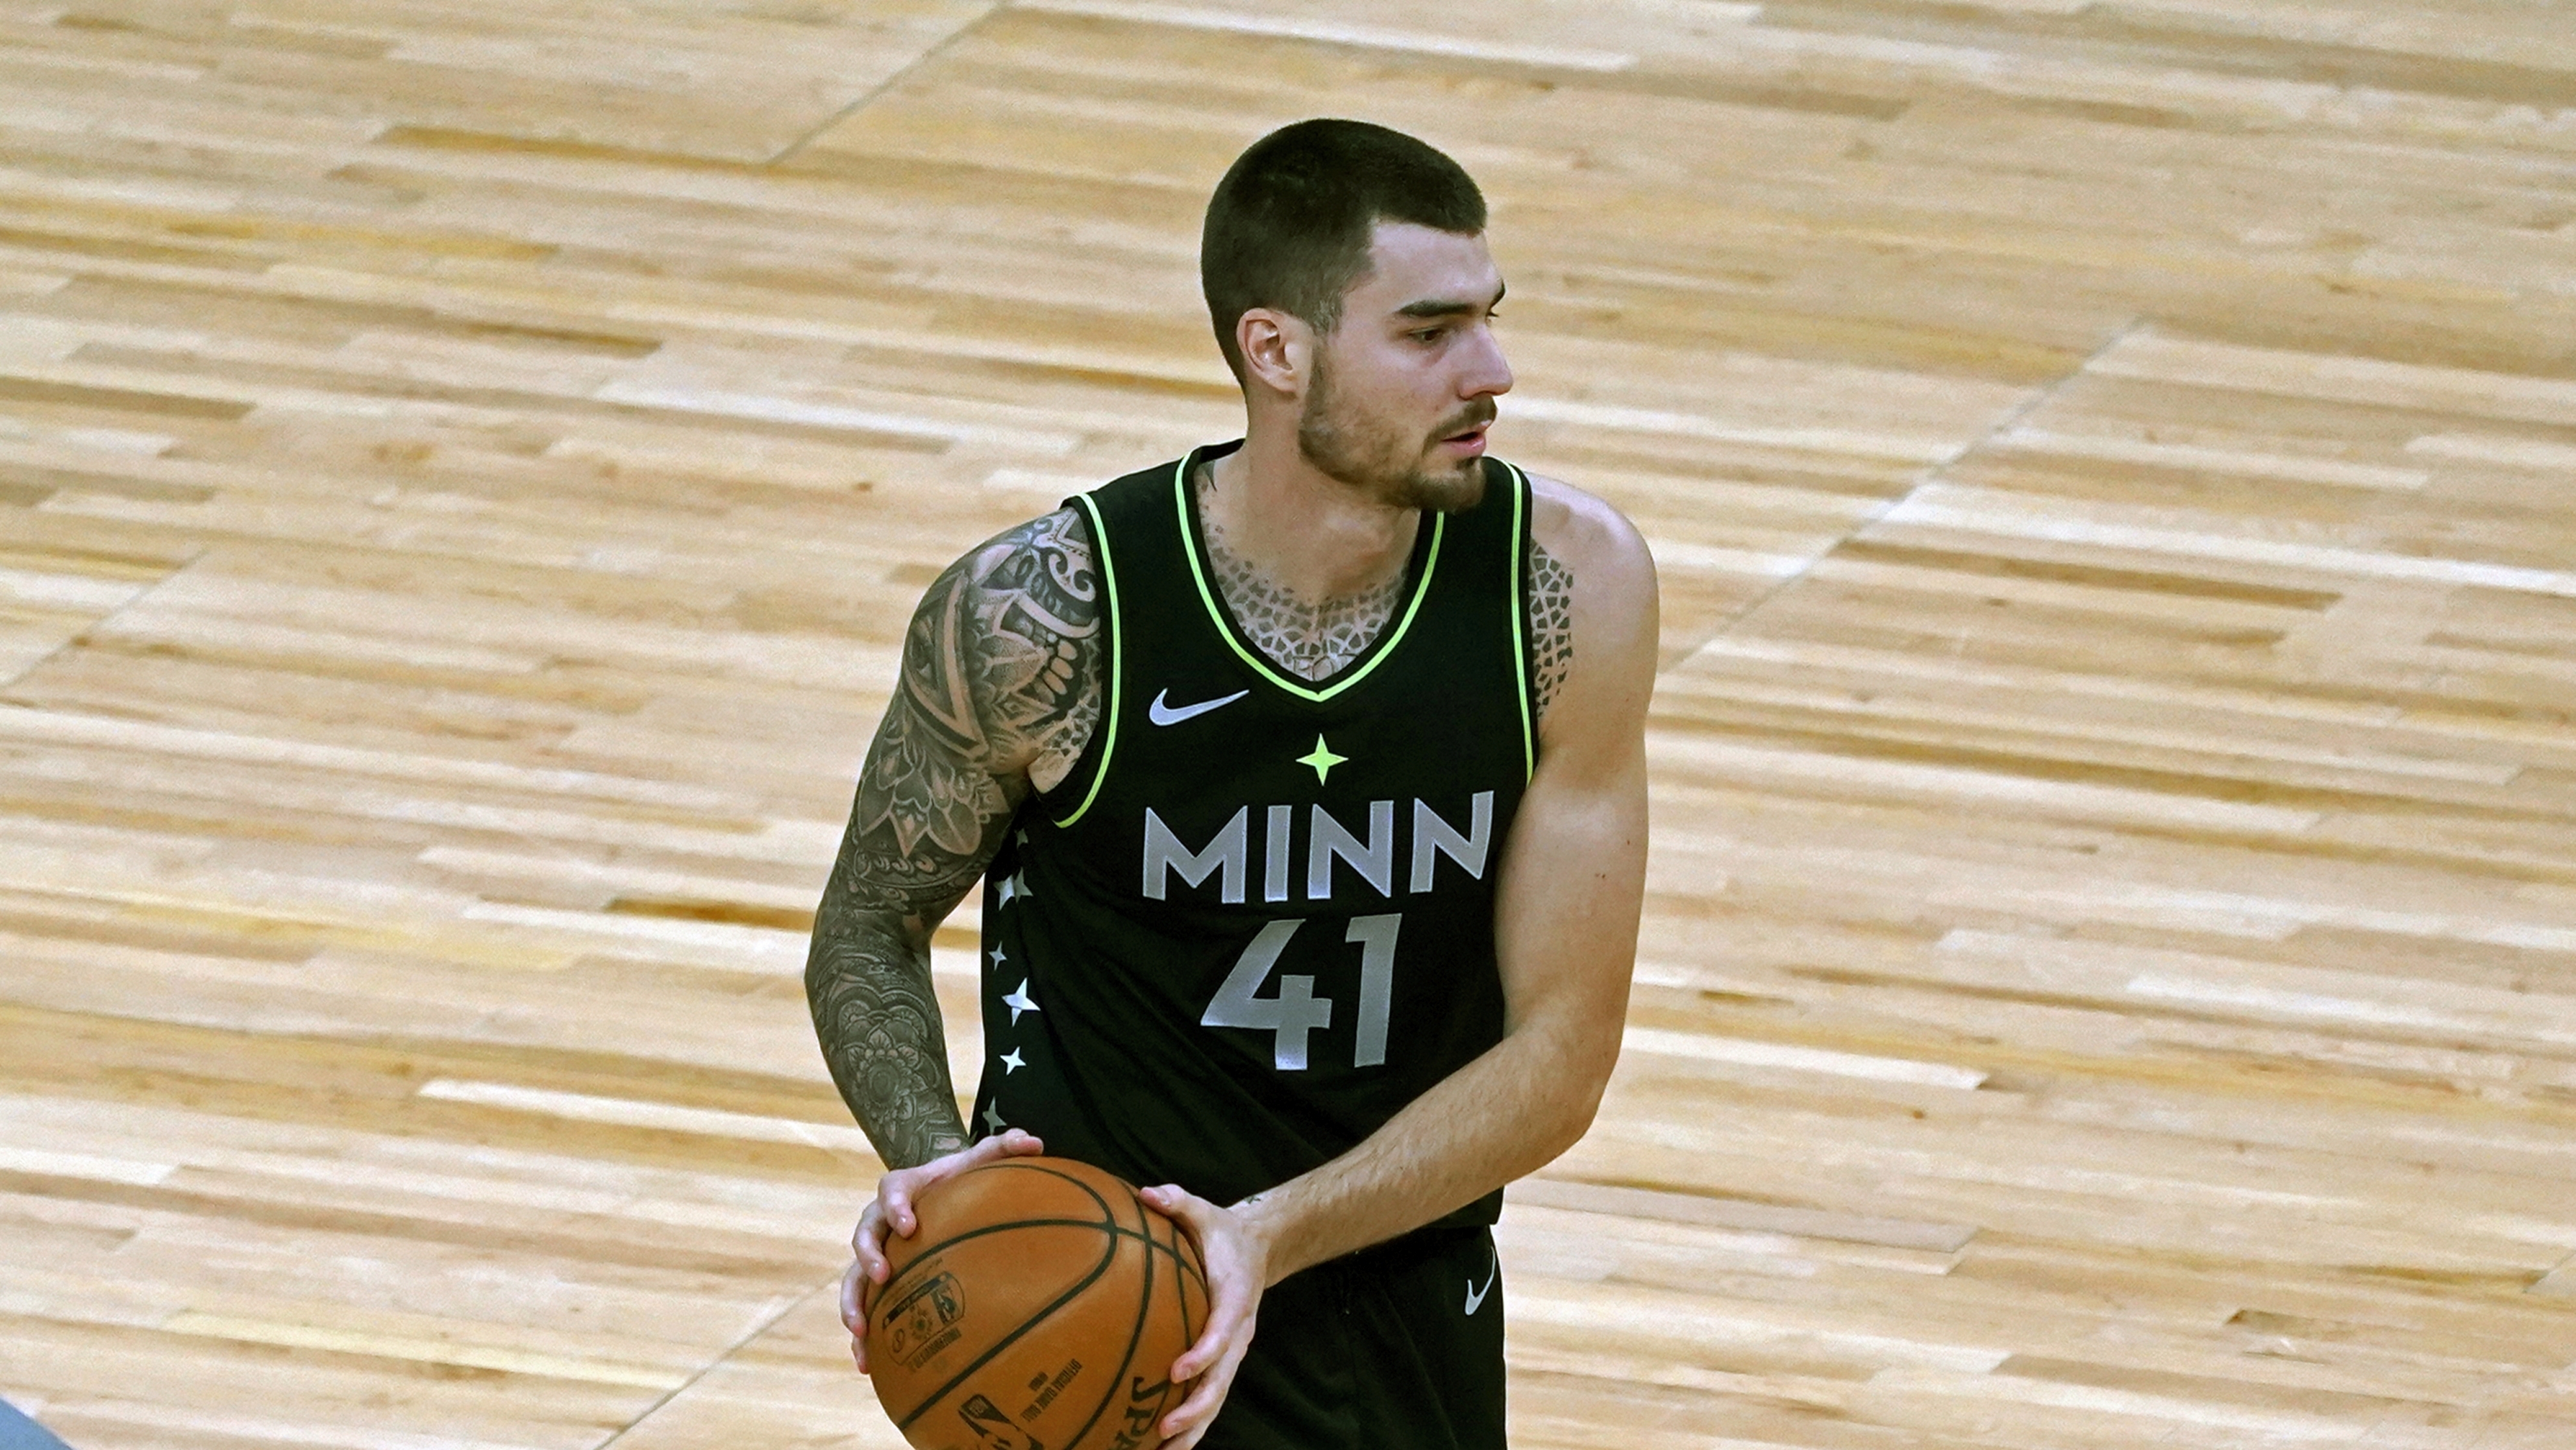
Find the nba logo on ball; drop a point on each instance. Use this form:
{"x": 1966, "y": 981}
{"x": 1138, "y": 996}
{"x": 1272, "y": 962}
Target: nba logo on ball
{"x": 992, "y": 1427}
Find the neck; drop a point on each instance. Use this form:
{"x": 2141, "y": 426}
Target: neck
{"x": 1310, "y": 534}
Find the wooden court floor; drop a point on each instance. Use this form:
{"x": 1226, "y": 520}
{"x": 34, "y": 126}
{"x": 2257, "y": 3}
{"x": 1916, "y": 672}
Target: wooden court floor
{"x": 2109, "y": 975}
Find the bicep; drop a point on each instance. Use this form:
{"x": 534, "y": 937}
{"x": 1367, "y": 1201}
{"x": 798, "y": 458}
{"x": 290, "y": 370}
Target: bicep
{"x": 927, "y": 818}
{"x": 1572, "y": 883}
{"x": 1574, "y": 872}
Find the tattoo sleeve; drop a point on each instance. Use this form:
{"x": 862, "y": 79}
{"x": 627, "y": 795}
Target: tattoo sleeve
{"x": 1551, "y": 622}
{"x": 998, "y": 694}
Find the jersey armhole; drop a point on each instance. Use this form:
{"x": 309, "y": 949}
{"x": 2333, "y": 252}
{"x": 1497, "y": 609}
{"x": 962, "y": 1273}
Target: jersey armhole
{"x": 1104, "y": 741}
{"x": 1525, "y": 668}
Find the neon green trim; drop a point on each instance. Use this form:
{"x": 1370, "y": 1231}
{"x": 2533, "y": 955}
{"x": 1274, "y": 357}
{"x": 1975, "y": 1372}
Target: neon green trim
{"x": 1117, "y": 657}
{"x": 1520, "y": 613}
{"x": 1260, "y": 666}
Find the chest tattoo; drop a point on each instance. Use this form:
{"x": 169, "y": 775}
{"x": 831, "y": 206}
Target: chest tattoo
{"x": 1309, "y": 639}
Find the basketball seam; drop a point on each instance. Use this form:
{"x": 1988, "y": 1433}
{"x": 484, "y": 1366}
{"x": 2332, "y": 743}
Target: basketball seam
{"x": 1135, "y": 1331}
{"x": 952, "y": 1241}
{"x": 1109, "y": 1226}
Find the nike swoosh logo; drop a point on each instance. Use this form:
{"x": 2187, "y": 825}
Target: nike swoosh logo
{"x": 1163, "y": 714}
{"x": 1476, "y": 1296}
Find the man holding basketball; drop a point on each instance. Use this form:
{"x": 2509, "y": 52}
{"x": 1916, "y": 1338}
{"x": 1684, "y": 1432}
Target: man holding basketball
{"x": 1306, "y": 779}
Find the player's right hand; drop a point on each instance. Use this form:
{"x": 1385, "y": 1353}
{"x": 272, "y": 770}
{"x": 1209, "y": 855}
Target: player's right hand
{"x": 891, "y": 1212}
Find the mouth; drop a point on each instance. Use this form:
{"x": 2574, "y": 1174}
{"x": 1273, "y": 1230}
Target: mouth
{"x": 1471, "y": 440}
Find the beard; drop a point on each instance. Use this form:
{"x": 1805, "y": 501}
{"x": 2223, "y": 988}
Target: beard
{"x": 1380, "y": 460}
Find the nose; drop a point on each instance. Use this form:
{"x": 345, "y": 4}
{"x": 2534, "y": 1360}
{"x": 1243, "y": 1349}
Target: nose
{"x": 1486, "y": 375}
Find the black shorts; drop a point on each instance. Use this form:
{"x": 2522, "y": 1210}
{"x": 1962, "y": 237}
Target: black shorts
{"x": 1400, "y": 1345}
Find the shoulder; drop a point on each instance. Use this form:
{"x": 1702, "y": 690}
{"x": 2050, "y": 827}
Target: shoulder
{"x": 1594, "y": 601}
{"x": 1610, "y": 573}
{"x": 1594, "y": 541}
{"x": 1040, "y": 577}
{"x": 1004, "y": 651}
{"x": 1056, "y": 543}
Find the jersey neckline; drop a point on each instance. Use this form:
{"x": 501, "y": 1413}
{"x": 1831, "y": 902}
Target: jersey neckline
{"x": 1422, "y": 563}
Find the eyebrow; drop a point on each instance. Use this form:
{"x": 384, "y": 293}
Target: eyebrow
{"x": 1443, "y": 307}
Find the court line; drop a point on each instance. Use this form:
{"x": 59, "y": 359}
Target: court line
{"x": 763, "y": 1327}
{"x": 1364, "y": 37}
{"x": 879, "y": 89}
{"x": 1929, "y": 477}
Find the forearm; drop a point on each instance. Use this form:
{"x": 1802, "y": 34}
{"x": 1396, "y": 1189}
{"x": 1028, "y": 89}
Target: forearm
{"x": 867, "y": 979}
{"x": 1506, "y": 1114}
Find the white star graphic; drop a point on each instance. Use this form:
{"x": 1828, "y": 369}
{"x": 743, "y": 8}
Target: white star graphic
{"x": 1003, "y": 892}
{"x": 1020, "y": 887}
{"x": 1020, "y": 1001}
{"x": 1011, "y": 1062}
{"x": 998, "y": 958}
{"x": 993, "y": 1115}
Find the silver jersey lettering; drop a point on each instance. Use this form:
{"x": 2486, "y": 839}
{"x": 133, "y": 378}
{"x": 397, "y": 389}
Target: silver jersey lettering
{"x": 1373, "y": 859}
{"x": 1230, "y": 852}
{"x": 1274, "y": 854}
{"x": 1434, "y": 835}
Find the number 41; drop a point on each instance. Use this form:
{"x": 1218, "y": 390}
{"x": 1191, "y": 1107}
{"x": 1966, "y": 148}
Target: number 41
{"x": 1297, "y": 1011}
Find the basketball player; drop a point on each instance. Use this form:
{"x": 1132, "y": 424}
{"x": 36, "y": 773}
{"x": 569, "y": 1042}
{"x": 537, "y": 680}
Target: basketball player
{"x": 1305, "y": 778}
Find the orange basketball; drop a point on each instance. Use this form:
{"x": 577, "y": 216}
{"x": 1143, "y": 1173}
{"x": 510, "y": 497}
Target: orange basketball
{"x": 1038, "y": 1306}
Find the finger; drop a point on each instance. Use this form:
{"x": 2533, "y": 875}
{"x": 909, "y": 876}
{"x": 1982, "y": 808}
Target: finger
{"x": 894, "y": 1202}
{"x": 1222, "y": 1331}
{"x": 867, "y": 1245}
{"x": 1012, "y": 1144}
{"x": 1178, "y": 1204}
{"x": 1230, "y": 1327}
{"x": 854, "y": 1317}
{"x": 1198, "y": 1412}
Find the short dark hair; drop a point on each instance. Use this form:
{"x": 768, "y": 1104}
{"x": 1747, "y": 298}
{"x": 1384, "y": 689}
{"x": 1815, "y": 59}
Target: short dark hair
{"x": 1289, "y": 226}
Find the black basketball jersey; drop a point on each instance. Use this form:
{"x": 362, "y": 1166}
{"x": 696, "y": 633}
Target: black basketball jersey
{"x": 1257, "y": 917}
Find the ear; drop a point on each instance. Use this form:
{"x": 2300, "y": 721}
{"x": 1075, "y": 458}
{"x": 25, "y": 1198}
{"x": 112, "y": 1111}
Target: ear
{"x": 1278, "y": 350}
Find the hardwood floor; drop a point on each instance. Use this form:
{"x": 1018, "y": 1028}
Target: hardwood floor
{"x": 2109, "y": 975}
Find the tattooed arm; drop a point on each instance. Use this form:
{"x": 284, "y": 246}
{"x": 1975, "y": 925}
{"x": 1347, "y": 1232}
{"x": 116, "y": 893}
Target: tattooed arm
{"x": 998, "y": 694}
{"x": 1551, "y": 624}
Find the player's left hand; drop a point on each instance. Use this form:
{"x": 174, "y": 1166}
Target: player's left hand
{"x": 1238, "y": 1267}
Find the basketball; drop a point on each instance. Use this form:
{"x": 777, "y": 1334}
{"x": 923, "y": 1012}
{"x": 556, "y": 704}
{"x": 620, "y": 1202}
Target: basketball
{"x": 1038, "y": 1305}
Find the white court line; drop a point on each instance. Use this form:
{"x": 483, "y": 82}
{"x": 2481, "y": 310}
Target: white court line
{"x": 1902, "y": 448}
{"x": 715, "y": 945}
{"x": 83, "y": 1165}
{"x": 632, "y": 1113}
{"x": 422, "y": 1350}
{"x": 713, "y": 402}
{"x": 2075, "y": 798}
{"x": 1746, "y": 1053}
{"x": 1287, "y": 27}
{"x": 2289, "y": 467}
{"x": 2019, "y": 524}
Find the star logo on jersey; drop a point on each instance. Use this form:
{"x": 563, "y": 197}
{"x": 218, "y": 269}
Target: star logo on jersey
{"x": 993, "y": 1116}
{"x": 1019, "y": 1002}
{"x": 1011, "y": 1062}
{"x": 1323, "y": 760}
